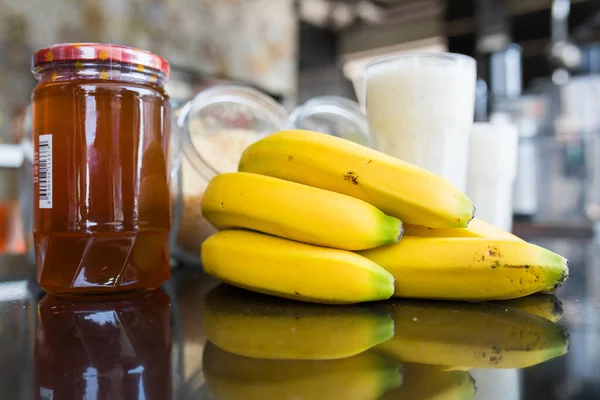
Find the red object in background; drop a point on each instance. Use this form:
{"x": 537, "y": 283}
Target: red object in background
{"x": 5, "y": 226}
{"x": 101, "y": 122}
{"x": 105, "y": 350}
{"x": 11, "y": 233}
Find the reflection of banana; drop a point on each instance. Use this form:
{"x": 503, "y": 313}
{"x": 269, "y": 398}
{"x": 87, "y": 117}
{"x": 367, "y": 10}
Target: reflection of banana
{"x": 430, "y": 382}
{"x": 258, "y": 326}
{"x": 153, "y": 161}
{"x": 364, "y": 376}
{"x": 150, "y": 252}
{"x": 471, "y": 335}
{"x": 150, "y": 248}
{"x": 476, "y": 228}
{"x": 154, "y": 204}
{"x": 546, "y": 306}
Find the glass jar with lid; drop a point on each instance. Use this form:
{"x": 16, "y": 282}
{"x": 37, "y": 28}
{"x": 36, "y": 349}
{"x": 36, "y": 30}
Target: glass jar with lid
{"x": 333, "y": 115}
{"x": 102, "y": 209}
{"x": 212, "y": 132}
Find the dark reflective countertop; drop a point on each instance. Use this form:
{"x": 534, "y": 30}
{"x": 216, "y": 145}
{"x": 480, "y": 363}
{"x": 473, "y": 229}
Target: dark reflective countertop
{"x": 197, "y": 339}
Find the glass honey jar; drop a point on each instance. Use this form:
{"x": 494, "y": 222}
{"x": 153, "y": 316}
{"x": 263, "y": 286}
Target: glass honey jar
{"x": 102, "y": 212}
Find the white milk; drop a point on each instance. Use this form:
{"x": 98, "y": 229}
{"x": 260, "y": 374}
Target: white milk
{"x": 420, "y": 109}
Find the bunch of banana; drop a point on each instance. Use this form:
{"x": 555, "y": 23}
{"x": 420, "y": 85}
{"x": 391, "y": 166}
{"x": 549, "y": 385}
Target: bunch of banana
{"x": 470, "y": 335}
{"x": 317, "y": 218}
{"x": 255, "y": 325}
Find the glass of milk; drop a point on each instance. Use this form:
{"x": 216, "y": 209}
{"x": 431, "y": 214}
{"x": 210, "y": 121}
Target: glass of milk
{"x": 420, "y": 109}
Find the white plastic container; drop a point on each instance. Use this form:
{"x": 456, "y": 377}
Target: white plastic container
{"x": 492, "y": 171}
{"x": 420, "y": 109}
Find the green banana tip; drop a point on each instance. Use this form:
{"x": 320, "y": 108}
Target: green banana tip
{"x": 401, "y": 234}
{"x": 561, "y": 280}
{"x": 564, "y": 275}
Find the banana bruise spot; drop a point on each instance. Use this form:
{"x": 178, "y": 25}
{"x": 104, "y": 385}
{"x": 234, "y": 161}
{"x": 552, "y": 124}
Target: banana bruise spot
{"x": 352, "y": 177}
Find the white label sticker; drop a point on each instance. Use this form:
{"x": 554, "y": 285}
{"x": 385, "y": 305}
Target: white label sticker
{"x": 45, "y": 171}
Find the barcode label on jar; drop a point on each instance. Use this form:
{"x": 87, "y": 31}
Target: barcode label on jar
{"x": 45, "y": 171}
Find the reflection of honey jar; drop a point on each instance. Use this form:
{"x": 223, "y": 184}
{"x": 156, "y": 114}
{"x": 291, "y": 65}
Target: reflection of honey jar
{"x": 101, "y": 122}
{"x": 104, "y": 350}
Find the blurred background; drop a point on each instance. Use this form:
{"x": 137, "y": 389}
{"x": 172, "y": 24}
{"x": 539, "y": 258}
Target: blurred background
{"x": 538, "y": 65}
{"x": 538, "y": 68}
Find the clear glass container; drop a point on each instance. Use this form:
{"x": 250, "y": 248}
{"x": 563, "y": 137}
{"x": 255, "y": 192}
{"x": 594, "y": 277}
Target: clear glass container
{"x": 211, "y": 134}
{"x": 101, "y": 201}
{"x": 420, "y": 108}
{"x": 335, "y": 116}
{"x": 560, "y": 169}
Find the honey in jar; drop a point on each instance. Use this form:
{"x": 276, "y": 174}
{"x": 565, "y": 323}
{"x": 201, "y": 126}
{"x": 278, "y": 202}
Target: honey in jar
{"x": 101, "y": 121}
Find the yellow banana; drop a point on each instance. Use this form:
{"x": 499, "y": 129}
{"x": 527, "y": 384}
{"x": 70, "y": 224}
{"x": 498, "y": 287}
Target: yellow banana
{"x": 476, "y": 228}
{"x": 468, "y": 268}
{"x": 476, "y": 335}
{"x": 546, "y": 306}
{"x": 299, "y": 271}
{"x": 298, "y": 212}
{"x": 430, "y": 382}
{"x": 259, "y": 326}
{"x": 395, "y": 187}
{"x": 362, "y": 377}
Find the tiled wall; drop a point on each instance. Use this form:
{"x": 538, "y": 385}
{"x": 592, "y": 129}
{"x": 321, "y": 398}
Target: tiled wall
{"x": 249, "y": 40}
